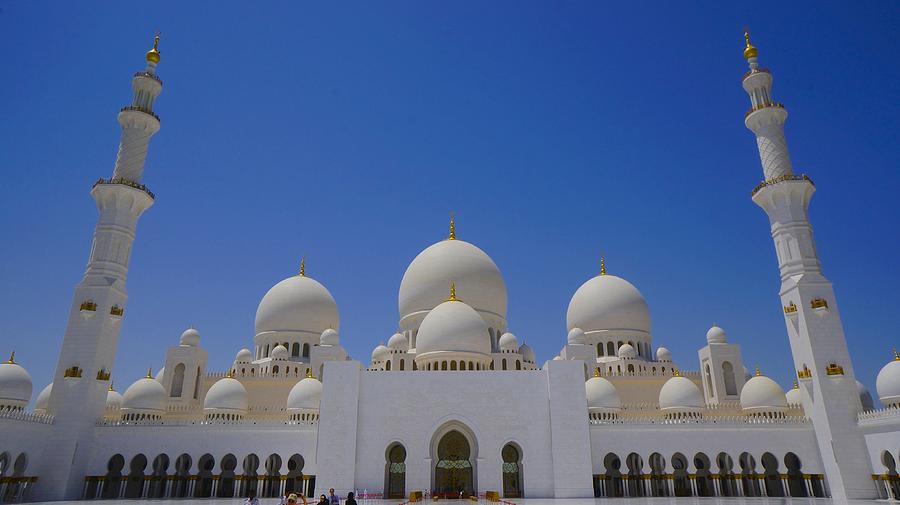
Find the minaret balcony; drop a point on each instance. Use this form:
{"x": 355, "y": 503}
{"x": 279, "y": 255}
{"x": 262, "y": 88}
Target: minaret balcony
{"x": 819, "y": 306}
{"x": 88, "y": 309}
{"x": 141, "y": 109}
{"x": 749, "y": 72}
{"x": 767, "y": 105}
{"x": 73, "y": 372}
{"x": 125, "y": 182}
{"x": 116, "y": 313}
{"x": 783, "y": 178}
{"x": 834, "y": 369}
{"x": 152, "y": 76}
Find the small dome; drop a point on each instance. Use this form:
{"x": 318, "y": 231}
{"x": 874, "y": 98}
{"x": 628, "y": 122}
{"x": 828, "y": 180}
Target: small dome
{"x": 627, "y": 351}
{"x": 15, "y": 385}
{"x": 227, "y": 394}
{"x": 607, "y": 302}
{"x": 243, "y": 356}
{"x": 305, "y": 394}
{"x": 527, "y": 353}
{"x": 280, "y": 352}
{"x": 453, "y": 326}
{"x": 398, "y": 342}
{"x": 602, "y": 395}
{"x": 716, "y": 335}
{"x": 865, "y": 397}
{"x": 793, "y": 396}
{"x": 43, "y": 399}
{"x": 113, "y": 399}
{"x": 146, "y": 395}
{"x": 575, "y": 337}
{"x": 762, "y": 394}
{"x": 190, "y": 337}
{"x": 663, "y": 354}
{"x": 330, "y": 337}
{"x": 508, "y": 342}
{"x": 297, "y": 304}
{"x": 888, "y": 382}
{"x": 680, "y": 394}
{"x": 380, "y": 353}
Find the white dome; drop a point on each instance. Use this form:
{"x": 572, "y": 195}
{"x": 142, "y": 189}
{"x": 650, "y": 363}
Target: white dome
{"x": 762, "y": 394}
{"x": 663, "y": 354}
{"x": 626, "y": 351}
{"x": 297, "y": 303}
{"x": 888, "y": 382}
{"x": 527, "y": 353}
{"x": 190, "y": 337}
{"x": 279, "y": 352}
{"x": 398, "y": 342}
{"x": 508, "y": 342}
{"x": 113, "y": 399}
{"x": 602, "y": 395}
{"x": 380, "y": 353}
{"x": 607, "y": 302}
{"x": 227, "y": 394}
{"x": 865, "y": 397}
{"x": 680, "y": 394}
{"x": 478, "y": 280}
{"x": 716, "y": 335}
{"x": 243, "y": 356}
{"x": 575, "y": 337}
{"x": 145, "y": 394}
{"x": 793, "y": 396}
{"x": 453, "y": 326}
{"x": 43, "y": 399}
{"x": 15, "y": 385}
{"x": 305, "y": 394}
{"x": 330, "y": 337}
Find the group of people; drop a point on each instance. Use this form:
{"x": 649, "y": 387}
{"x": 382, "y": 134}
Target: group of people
{"x": 294, "y": 499}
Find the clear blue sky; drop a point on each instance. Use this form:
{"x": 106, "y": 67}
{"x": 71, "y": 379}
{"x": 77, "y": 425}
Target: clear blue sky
{"x": 347, "y": 131}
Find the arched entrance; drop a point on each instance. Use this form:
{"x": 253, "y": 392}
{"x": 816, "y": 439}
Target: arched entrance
{"x": 395, "y": 472}
{"x": 454, "y": 468}
{"x": 512, "y": 471}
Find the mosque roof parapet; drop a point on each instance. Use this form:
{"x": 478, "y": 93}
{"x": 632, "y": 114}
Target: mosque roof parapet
{"x": 879, "y": 416}
{"x": 25, "y": 416}
{"x": 202, "y": 422}
{"x": 714, "y": 421}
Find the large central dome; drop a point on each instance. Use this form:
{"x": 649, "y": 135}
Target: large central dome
{"x": 607, "y": 302}
{"x": 478, "y": 280}
{"x": 297, "y": 304}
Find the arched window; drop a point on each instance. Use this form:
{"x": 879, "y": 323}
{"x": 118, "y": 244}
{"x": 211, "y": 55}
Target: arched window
{"x": 275, "y": 370}
{"x": 305, "y": 350}
{"x": 453, "y": 365}
{"x": 177, "y": 381}
{"x": 295, "y": 350}
{"x": 402, "y": 364}
{"x": 395, "y": 473}
{"x": 512, "y": 479}
{"x": 443, "y": 365}
{"x": 728, "y": 375}
{"x": 387, "y": 365}
{"x": 599, "y": 348}
{"x": 518, "y": 365}
{"x": 709, "y": 389}
{"x": 503, "y": 364}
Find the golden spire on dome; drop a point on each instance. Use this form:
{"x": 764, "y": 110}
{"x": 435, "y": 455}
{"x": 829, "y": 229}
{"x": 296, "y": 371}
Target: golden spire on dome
{"x": 796, "y": 386}
{"x": 453, "y": 297}
{"x": 153, "y": 54}
{"x": 597, "y": 372}
{"x": 750, "y": 50}
{"x": 309, "y": 373}
{"x": 602, "y": 265}
{"x": 677, "y": 372}
{"x": 758, "y": 373}
{"x": 110, "y": 387}
{"x": 452, "y": 227}
{"x": 896, "y": 355}
{"x": 302, "y": 267}
{"x": 12, "y": 358}
{"x": 150, "y": 373}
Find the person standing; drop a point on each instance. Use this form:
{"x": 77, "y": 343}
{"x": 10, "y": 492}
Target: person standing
{"x": 350, "y": 499}
{"x": 251, "y": 498}
{"x": 333, "y": 499}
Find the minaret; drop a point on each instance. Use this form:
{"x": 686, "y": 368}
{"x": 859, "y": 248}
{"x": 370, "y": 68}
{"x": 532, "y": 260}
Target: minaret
{"x": 88, "y": 350}
{"x": 819, "y": 349}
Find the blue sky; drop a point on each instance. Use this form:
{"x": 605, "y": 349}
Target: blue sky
{"x": 347, "y": 132}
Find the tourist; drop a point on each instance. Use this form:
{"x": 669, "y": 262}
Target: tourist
{"x": 333, "y": 499}
{"x": 251, "y": 498}
{"x": 290, "y": 499}
{"x": 350, "y": 499}
{"x": 323, "y": 500}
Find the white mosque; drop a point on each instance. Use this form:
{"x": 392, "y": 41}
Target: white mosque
{"x": 609, "y": 416}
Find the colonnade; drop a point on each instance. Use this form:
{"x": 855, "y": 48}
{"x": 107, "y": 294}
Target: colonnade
{"x": 192, "y": 486}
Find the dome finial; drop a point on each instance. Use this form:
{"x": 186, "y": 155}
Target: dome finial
{"x": 150, "y": 373}
{"x": 452, "y": 226}
{"x": 597, "y": 372}
{"x": 302, "y": 267}
{"x": 758, "y": 373}
{"x": 677, "y": 372}
{"x": 750, "y": 50}
{"x": 12, "y": 357}
{"x": 153, "y": 54}
{"x": 229, "y": 375}
{"x": 110, "y": 387}
{"x": 896, "y": 355}
{"x": 602, "y": 265}
{"x": 453, "y": 297}
{"x": 796, "y": 386}
{"x": 309, "y": 373}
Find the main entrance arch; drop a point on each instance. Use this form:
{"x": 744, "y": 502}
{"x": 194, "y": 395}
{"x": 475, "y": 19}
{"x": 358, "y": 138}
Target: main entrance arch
{"x": 454, "y": 459}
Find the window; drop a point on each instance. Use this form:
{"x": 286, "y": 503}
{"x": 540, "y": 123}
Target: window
{"x": 177, "y": 381}
{"x": 728, "y": 375}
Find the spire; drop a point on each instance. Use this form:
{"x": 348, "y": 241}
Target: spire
{"x": 758, "y": 373}
{"x": 150, "y": 373}
{"x": 110, "y": 387}
{"x": 302, "y": 267}
{"x": 309, "y": 374}
{"x": 12, "y": 358}
{"x": 452, "y": 227}
{"x": 750, "y": 50}
{"x": 153, "y": 54}
{"x": 602, "y": 265}
{"x": 229, "y": 375}
{"x": 453, "y": 297}
{"x": 597, "y": 372}
{"x": 677, "y": 372}
{"x": 796, "y": 386}
{"x": 896, "y": 355}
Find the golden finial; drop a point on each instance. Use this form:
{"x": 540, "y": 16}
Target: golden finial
{"x": 12, "y": 358}
{"x": 150, "y": 373}
{"x": 896, "y": 355}
{"x": 758, "y": 373}
{"x": 453, "y": 297}
{"x": 309, "y": 373}
{"x": 452, "y": 227}
{"x": 110, "y": 387}
{"x": 597, "y": 372}
{"x": 153, "y": 54}
{"x": 750, "y": 50}
{"x": 796, "y": 386}
{"x": 602, "y": 265}
{"x": 677, "y": 372}
{"x": 229, "y": 375}
{"x": 303, "y": 266}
